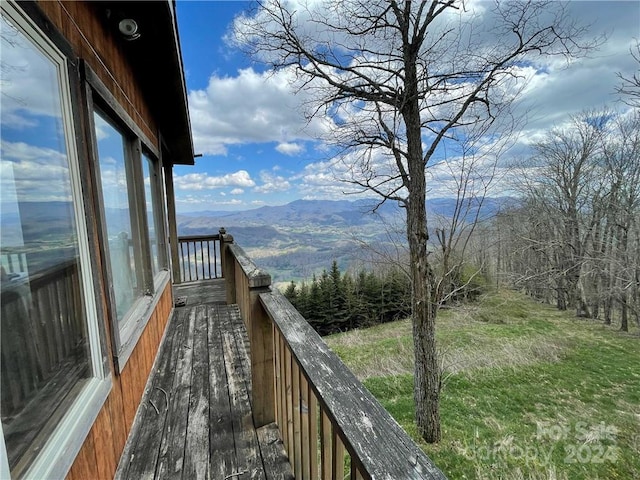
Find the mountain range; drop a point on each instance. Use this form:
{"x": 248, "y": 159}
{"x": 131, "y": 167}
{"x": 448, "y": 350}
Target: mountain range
{"x": 299, "y": 239}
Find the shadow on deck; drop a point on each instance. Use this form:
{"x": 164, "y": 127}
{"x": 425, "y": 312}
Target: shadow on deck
{"x": 195, "y": 420}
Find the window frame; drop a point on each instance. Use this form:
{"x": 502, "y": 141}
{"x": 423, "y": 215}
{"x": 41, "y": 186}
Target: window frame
{"x": 156, "y": 183}
{"x": 126, "y": 333}
{"x": 59, "y": 450}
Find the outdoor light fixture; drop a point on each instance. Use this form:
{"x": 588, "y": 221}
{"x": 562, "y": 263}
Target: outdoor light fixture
{"x": 129, "y": 29}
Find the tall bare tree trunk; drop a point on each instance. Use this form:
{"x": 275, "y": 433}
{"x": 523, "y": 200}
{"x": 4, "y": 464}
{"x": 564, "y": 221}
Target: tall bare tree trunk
{"x": 426, "y": 389}
{"x": 426, "y": 375}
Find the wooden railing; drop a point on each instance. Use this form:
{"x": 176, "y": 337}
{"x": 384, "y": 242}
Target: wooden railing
{"x": 42, "y": 328}
{"x": 43, "y": 352}
{"x": 13, "y": 260}
{"x": 199, "y": 257}
{"x": 330, "y": 423}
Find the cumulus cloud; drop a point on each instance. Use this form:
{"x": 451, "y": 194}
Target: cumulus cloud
{"x": 203, "y": 202}
{"x": 202, "y": 181}
{"x": 28, "y": 80}
{"x": 237, "y": 191}
{"x": 251, "y": 107}
{"x": 290, "y": 148}
{"x": 272, "y": 183}
{"x": 34, "y": 174}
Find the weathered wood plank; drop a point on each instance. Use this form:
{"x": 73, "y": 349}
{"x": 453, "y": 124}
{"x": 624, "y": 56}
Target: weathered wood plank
{"x": 255, "y": 276}
{"x": 288, "y": 386}
{"x": 171, "y": 457}
{"x": 196, "y": 459}
{"x": 284, "y": 429}
{"x": 242, "y": 344}
{"x": 274, "y": 457}
{"x": 221, "y": 446}
{"x": 140, "y": 456}
{"x": 326, "y": 452}
{"x": 313, "y": 434}
{"x": 146, "y": 438}
{"x": 278, "y": 377}
{"x": 382, "y": 447}
{"x": 206, "y": 428}
{"x": 247, "y": 449}
{"x": 305, "y": 442}
{"x": 297, "y": 426}
{"x": 337, "y": 454}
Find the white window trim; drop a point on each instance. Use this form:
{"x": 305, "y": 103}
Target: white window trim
{"x": 62, "y": 447}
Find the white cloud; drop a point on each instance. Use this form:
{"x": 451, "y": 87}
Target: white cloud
{"x": 290, "y": 148}
{"x": 29, "y": 81}
{"x": 237, "y": 191}
{"x": 34, "y": 174}
{"x": 202, "y": 181}
{"x": 204, "y": 202}
{"x": 251, "y": 107}
{"x": 272, "y": 183}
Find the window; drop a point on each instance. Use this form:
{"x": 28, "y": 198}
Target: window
{"x": 51, "y": 372}
{"x": 133, "y": 221}
{"x": 119, "y": 205}
{"x": 152, "y": 191}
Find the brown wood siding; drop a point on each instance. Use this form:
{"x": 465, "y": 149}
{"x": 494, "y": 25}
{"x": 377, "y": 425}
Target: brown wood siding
{"x": 91, "y": 41}
{"x": 101, "y": 451}
{"x": 78, "y": 23}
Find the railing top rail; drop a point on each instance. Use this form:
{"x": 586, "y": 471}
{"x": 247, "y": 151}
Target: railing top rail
{"x": 197, "y": 238}
{"x": 256, "y": 276}
{"x": 381, "y": 446}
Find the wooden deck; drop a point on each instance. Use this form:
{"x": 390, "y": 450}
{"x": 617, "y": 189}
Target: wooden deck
{"x": 195, "y": 420}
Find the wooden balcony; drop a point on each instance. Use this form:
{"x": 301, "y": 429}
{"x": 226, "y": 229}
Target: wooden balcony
{"x": 195, "y": 420}
{"x": 244, "y": 388}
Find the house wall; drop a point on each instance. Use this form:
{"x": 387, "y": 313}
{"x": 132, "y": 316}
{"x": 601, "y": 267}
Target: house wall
{"x": 79, "y": 24}
{"x": 101, "y": 451}
{"x": 92, "y": 42}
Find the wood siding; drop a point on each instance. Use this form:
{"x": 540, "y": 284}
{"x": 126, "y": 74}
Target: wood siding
{"x": 79, "y": 23}
{"x": 103, "y": 447}
{"x": 82, "y": 26}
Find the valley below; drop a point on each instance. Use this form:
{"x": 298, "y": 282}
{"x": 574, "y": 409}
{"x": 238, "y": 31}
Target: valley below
{"x": 300, "y": 239}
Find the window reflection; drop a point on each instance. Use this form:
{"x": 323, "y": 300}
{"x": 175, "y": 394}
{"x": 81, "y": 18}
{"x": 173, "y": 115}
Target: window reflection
{"x": 118, "y": 207}
{"x": 44, "y": 351}
{"x": 150, "y": 184}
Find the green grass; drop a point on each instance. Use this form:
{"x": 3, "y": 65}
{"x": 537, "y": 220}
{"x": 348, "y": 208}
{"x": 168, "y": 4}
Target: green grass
{"x": 530, "y": 392}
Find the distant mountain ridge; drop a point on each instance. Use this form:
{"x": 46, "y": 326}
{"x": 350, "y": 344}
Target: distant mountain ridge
{"x": 328, "y": 212}
{"x": 299, "y": 239}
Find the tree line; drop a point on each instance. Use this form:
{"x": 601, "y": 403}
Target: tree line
{"x": 574, "y": 238}
{"x": 336, "y": 302}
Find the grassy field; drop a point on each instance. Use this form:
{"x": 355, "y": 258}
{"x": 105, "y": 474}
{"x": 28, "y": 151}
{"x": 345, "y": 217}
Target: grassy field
{"x": 529, "y": 392}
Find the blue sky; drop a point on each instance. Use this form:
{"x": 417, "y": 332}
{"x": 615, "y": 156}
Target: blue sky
{"x": 257, "y": 148}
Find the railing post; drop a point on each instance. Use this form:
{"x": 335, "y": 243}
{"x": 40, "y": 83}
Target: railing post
{"x": 260, "y": 333}
{"x": 227, "y": 263}
{"x": 245, "y": 283}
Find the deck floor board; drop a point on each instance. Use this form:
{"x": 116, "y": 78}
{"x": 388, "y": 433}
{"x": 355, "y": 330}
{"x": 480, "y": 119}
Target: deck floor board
{"x": 206, "y": 429}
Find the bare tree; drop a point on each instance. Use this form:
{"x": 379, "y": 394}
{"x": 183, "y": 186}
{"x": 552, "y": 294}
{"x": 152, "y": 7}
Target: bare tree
{"x": 401, "y": 81}
{"x": 576, "y": 232}
{"x": 622, "y": 160}
{"x": 629, "y": 87}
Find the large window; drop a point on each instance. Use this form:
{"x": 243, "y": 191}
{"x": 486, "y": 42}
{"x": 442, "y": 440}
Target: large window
{"x": 118, "y": 206}
{"x": 51, "y": 371}
{"x": 133, "y": 225}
